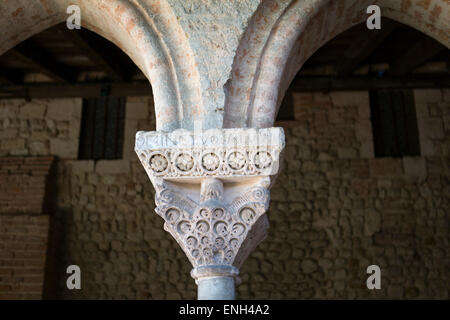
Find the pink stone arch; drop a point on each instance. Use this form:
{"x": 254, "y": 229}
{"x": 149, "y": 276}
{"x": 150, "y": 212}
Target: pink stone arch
{"x": 148, "y": 31}
{"x": 283, "y": 35}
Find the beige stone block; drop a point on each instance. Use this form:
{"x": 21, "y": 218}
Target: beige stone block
{"x": 77, "y": 108}
{"x": 446, "y": 94}
{"x": 112, "y": 166}
{"x": 363, "y": 130}
{"x": 422, "y": 111}
{"x": 81, "y": 166}
{"x": 415, "y": 167}
{"x": 426, "y": 147}
{"x": 65, "y": 149}
{"x": 446, "y": 120}
{"x": 300, "y": 98}
{"x": 64, "y": 109}
{"x": 367, "y": 150}
{"x": 13, "y": 144}
{"x": 335, "y": 116}
{"x": 74, "y": 128}
{"x": 8, "y": 109}
{"x": 19, "y": 152}
{"x": 427, "y": 95}
{"x": 350, "y": 98}
{"x": 137, "y": 110}
{"x": 386, "y": 167}
{"x": 128, "y": 149}
{"x": 8, "y": 133}
{"x": 33, "y": 110}
{"x": 39, "y": 148}
{"x": 131, "y": 127}
{"x": 372, "y": 222}
{"x": 347, "y": 153}
{"x": 364, "y": 110}
{"x": 140, "y": 99}
{"x": 433, "y": 128}
{"x": 321, "y": 97}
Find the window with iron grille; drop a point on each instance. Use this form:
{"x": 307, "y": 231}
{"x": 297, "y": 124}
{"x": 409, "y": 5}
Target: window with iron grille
{"x": 102, "y": 128}
{"x": 394, "y": 123}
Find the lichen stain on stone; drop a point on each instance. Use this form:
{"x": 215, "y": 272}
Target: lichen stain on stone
{"x": 130, "y": 25}
{"x": 119, "y": 11}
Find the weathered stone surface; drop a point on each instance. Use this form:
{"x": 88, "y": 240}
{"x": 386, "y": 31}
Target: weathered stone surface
{"x": 415, "y": 167}
{"x": 308, "y": 266}
{"x": 386, "y": 167}
{"x": 219, "y": 217}
{"x": 137, "y": 110}
{"x": 65, "y": 149}
{"x": 63, "y": 109}
{"x": 230, "y": 63}
{"x": 112, "y": 167}
{"x": 33, "y": 110}
{"x": 372, "y": 222}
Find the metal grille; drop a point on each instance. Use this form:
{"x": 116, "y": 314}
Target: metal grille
{"x": 102, "y": 128}
{"x": 394, "y": 123}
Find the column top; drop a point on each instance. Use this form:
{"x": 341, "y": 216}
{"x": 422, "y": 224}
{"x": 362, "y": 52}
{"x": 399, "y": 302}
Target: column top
{"x": 214, "y": 152}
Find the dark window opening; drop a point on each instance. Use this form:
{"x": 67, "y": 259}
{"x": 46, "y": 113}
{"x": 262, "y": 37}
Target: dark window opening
{"x": 394, "y": 123}
{"x": 102, "y": 128}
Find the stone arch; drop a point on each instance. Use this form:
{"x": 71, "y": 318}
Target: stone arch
{"x": 147, "y": 31}
{"x": 282, "y": 35}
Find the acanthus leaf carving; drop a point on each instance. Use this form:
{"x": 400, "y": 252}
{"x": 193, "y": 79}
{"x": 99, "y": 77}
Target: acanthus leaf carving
{"x": 213, "y": 197}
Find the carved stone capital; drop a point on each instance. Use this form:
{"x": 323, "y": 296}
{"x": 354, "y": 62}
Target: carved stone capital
{"x": 212, "y": 190}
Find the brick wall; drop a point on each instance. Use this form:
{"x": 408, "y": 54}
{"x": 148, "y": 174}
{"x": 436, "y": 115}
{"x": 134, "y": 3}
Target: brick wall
{"x": 23, "y": 226}
{"x": 22, "y": 184}
{"x": 23, "y": 248}
{"x": 334, "y": 211}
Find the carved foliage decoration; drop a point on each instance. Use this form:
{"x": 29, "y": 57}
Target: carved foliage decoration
{"x": 215, "y": 233}
{"x": 225, "y": 222}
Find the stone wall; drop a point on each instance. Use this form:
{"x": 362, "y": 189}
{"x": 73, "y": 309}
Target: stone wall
{"x": 40, "y": 127}
{"x": 335, "y": 209}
